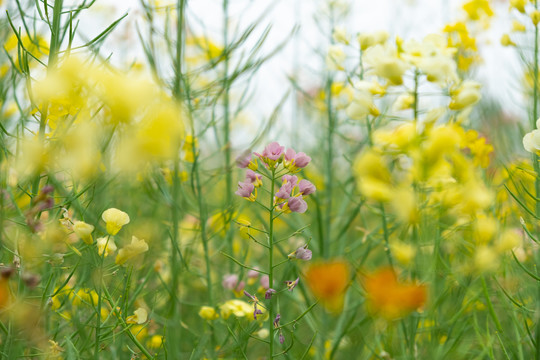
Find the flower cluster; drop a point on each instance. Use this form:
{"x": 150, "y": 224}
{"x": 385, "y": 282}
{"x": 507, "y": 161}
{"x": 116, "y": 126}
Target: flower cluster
{"x": 290, "y": 196}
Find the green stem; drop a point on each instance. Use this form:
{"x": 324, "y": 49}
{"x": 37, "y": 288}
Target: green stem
{"x": 535, "y": 160}
{"x": 329, "y": 167}
{"x": 99, "y": 288}
{"x": 124, "y": 325}
{"x": 226, "y": 123}
{"x": 271, "y": 264}
{"x": 53, "y": 58}
{"x": 415, "y": 95}
{"x": 490, "y": 306}
{"x": 386, "y": 237}
{"x": 174, "y": 311}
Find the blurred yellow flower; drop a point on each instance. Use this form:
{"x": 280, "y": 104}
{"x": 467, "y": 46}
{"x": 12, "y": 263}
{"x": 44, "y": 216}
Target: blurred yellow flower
{"x": 155, "y": 342}
{"x": 367, "y": 40}
{"x": 486, "y": 259}
{"x": 237, "y": 308}
{"x": 519, "y": 5}
{"x": 114, "y": 220}
{"x": 130, "y": 251}
{"x": 518, "y": 27}
{"x": 84, "y": 231}
{"x": 508, "y": 240}
{"x": 477, "y": 9}
{"x": 140, "y": 316}
{"x": 106, "y": 246}
{"x": 208, "y": 313}
{"x": 535, "y": 17}
{"x": 507, "y": 41}
{"x": 403, "y": 252}
{"x": 86, "y": 296}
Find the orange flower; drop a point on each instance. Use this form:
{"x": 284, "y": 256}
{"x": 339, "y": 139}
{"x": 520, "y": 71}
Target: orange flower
{"x": 390, "y": 298}
{"x": 5, "y": 296}
{"x": 328, "y": 281}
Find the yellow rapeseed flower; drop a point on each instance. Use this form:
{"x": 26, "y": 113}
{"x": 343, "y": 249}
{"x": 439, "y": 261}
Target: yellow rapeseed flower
{"x": 486, "y": 259}
{"x": 507, "y": 41}
{"x": 140, "y": 316}
{"x": 114, "y": 219}
{"x": 519, "y": 5}
{"x": 84, "y": 231}
{"x": 86, "y": 296}
{"x": 208, "y": 313}
{"x": 105, "y": 246}
{"x": 237, "y": 308}
{"x": 129, "y": 251}
{"x": 535, "y": 17}
{"x": 155, "y": 342}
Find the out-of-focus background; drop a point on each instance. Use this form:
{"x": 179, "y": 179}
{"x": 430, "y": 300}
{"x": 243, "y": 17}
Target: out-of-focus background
{"x": 304, "y": 27}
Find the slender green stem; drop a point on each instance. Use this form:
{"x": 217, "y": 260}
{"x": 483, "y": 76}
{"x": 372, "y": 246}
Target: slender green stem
{"x": 271, "y": 264}
{"x": 386, "y": 237}
{"x": 99, "y": 292}
{"x": 415, "y": 95}
{"x": 174, "y": 311}
{"x": 490, "y": 306}
{"x": 535, "y": 160}
{"x": 368, "y": 122}
{"x": 329, "y": 167}
{"x": 53, "y": 58}
{"x": 124, "y": 325}
{"x": 226, "y": 122}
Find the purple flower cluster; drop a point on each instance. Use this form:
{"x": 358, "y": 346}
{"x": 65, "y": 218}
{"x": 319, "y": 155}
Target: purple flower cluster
{"x": 290, "y": 196}
{"x": 289, "y": 200}
{"x": 275, "y": 154}
{"x": 247, "y": 188}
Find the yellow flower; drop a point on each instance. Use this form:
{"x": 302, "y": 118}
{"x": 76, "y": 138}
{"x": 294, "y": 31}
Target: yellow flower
{"x": 373, "y": 177}
{"x": 139, "y": 331}
{"x": 335, "y": 57}
{"x": 371, "y": 39}
{"x": 486, "y": 259}
{"x": 404, "y": 102}
{"x": 237, "y": 308}
{"x": 518, "y": 27}
{"x": 128, "y": 252}
{"x": 155, "y": 342}
{"x": 386, "y": 63}
{"x": 208, "y": 313}
{"x": 535, "y": 17}
{"x": 519, "y": 5}
{"x": 506, "y": 41}
{"x": 105, "y": 246}
{"x": 114, "y": 219}
{"x": 140, "y": 316}
{"x": 508, "y": 240}
{"x": 86, "y": 296}
{"x": 340, "y": 35}
{"x": 485, "y": 229}
{"x": 403, "y": 252}
{"x": 467, "y": 94}
{"x": 190, "y": 143}
{"x": 361, "y": 106}
{"x": 475, "y": 9}
{"x": 84, "y": 231}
